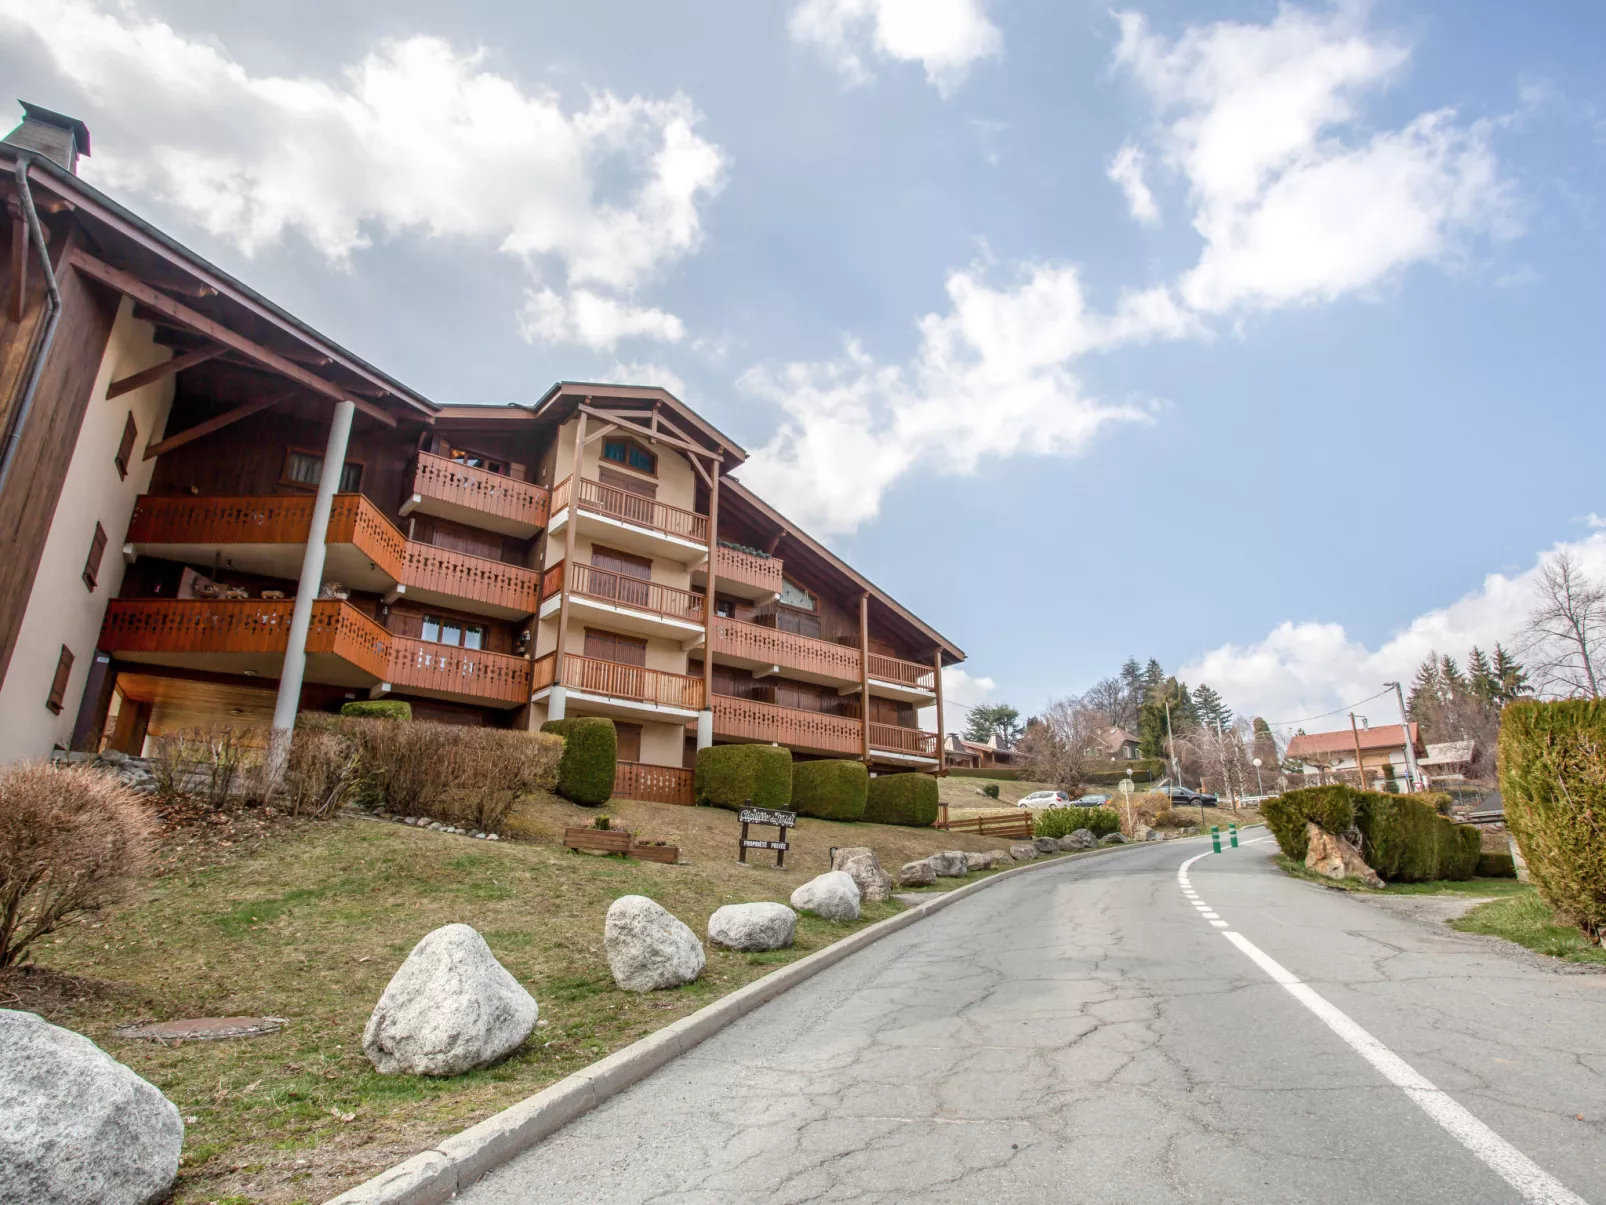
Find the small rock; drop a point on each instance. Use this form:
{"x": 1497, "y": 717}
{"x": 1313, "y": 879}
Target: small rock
{"x": 493, "y": 837}
{"x": 1142, "y": 832}
{"x": 649, "y": 949}
{"x": 1046, "y": 845}
{"x": 1082, "y": 838}
{"x": 437, "y": 826}
{"x": 753, "y": 926}
{"x": 917, "y": 874}
{"x": 1023, "y": 851}
{"x": 875, "y": 884}
{"x": 1332, "y": 857}
{"x": 950, "y": 864}
{"x": 76, "y": 1126}
{"x": 1113, "y": 839}
{"x": 832, "y": 896}
{"x": 450, "y": 1007}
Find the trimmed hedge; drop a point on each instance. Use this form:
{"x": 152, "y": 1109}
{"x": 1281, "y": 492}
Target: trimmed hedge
{"x": 378, "y": 709}
{"x": 1001, "y": 775}
{"x": 909, "y": 799}
{"x": 1061, "y": 822}
{"x": 590, "y": 753}
{"x": 1332, "y": 807}
{"x": 1496, "y": 866}
{"x": 731, "y": 776}
{"x": 1553, "y": 780}
{"x": 830, "y": 790}
{"x": 1407, "y": 841}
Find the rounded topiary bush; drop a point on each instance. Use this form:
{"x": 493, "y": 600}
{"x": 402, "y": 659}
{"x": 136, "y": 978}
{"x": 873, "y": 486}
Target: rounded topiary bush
{"x": 378, "y": 709}
{"x": 1332, "y": 807}
{"x": 731, "y": 776}
{"x": 1061, "y": 822}
{"x": 909, "y": 799}
{"x": 830, "y": 790}
{"x": 590, "y": 753}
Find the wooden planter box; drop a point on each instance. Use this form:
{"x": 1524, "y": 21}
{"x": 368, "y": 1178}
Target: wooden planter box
{"x": 607, "y": 841}
{"x": 668, "y": 854}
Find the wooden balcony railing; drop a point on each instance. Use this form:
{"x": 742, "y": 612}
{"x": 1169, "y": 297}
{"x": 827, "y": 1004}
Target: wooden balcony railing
{"x": 242, "y": 626}
{"x": 737, "y": 638}
{"x": 904, "y": 673}
{"x": 479, "y": 489}
{"x": 890, "y": 738}
{"x": 759, "y": 572}
{"x": 633, "y": 508}
{"x": 655, "y": 784}
{"x": 466, "y": 673}
{"x": 267, "y": 519}
{"x": 541, "y": 672}
{"x": 460, "y": 575}
{"x": 633, "y": 682}
{"x": 812, "y": 731}
{"x": 637, "y": 593}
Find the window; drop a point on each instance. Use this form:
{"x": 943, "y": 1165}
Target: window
{"x": 475, "y": 460}
{"x": 725, "y": 608}
{"x": 794, "y": 595}
{"x": 306, "y": 468}
{"x": 611, "y": 646}
{"x": 630, "y": 454}
{"x": 125, "y": 449}
{"x": 628, "y": 737}
{"x": 97, "y": 549}
{"x": 58, "y": 686}
{"x": 453, "y": 632}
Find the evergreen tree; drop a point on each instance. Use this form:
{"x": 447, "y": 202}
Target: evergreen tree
{"x": 998, "y": 717}
{"x": 1266, "y": 746}
{"x": 1153, "y": 679}
{"x": 1511, "y": 677}
{"x": 1424, "y": 698}
{"x": 1212, "y": 711}
{"x": 1154, "y": 737}
{"x": 1481, "y": 677}
{"x": 1132, "y": 677}
{"x": 1453, "y": 685}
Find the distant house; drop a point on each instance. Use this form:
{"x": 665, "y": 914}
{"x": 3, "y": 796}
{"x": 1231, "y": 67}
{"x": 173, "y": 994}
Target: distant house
{"x": 1330, "y": 756}
{"x": 1117, "y": 744}
{"x": 1447, "y": 762}
{"x": 960, "y": 754}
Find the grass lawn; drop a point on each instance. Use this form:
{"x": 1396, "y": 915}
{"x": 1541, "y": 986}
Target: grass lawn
{"x": 1526, "y": 919}
{"x": 308, "y": 922}
{"x": 1476, "y": 887}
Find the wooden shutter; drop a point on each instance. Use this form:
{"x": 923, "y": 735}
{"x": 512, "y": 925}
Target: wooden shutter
{"x": 58, "y": 686}
{"x": 97, "y": 549}
{"x": 611, "y": 646}
{"x": 629, "y": 741}
{"x": 621, "y": 562}
{"x": 125, "y": 449}
{"x": 627, "y": 482}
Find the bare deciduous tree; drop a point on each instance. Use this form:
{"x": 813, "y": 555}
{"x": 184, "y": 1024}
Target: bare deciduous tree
{"x": 1565, "y": 636}
{"x": 1058, "y": 747}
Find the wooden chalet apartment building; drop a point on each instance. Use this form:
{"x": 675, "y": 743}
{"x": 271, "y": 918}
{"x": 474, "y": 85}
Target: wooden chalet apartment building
{"x": 176, "y": 441}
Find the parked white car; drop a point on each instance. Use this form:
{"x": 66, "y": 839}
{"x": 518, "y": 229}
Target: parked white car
{"x": 1044, "y": 799}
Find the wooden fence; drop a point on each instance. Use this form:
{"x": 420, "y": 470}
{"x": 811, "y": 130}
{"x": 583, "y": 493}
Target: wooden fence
{"x": 654, "y": 784}
{"x": 990, "y": 826}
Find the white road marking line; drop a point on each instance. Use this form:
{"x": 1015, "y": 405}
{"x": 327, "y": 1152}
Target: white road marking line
{"x": 1529, "y": 1179}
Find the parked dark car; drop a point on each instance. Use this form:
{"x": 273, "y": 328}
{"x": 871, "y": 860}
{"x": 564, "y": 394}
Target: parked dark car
{"x": 1182, "y": 797}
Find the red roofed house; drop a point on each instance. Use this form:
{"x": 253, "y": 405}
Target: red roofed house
{"x": 1330, "y": 756}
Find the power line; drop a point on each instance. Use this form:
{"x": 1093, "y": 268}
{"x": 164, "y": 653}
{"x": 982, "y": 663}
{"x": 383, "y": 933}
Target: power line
{"x": 1339, "y": 711}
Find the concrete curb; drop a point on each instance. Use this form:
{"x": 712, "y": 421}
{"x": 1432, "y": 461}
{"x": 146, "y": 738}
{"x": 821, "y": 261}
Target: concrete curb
{"x": 438, "y": 1174}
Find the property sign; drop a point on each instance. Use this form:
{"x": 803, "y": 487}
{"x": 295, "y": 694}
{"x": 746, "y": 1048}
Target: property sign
{"x": 781, "y": 820}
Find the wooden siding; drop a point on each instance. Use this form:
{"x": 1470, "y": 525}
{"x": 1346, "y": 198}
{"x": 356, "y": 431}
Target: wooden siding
{"x": 809, "y": 731}
{"x": 655, "y": 784}
{"x": 477, "y": 489}
{"x": 633, "y": 508}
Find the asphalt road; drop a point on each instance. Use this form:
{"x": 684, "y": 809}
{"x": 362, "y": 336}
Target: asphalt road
{"x": 1085, "y": 1033}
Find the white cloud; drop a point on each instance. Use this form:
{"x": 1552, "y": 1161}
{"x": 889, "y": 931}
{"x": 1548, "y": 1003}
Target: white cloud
{"x": 636, "y": 372}
{"x": 1253, "y": 116}
{"x": 944, "y": 36}
{"x": 417, "y": 138}
{"x": 960, "y": 692}
{"x": 1305, "y": 668}
{"x": 1294, "y": 204}
{"x": 991, "y": 378}
{"x": 1126, "y": 169}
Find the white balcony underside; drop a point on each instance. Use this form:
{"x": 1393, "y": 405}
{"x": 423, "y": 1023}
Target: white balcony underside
{"x": 343, "y": 563}
{"x": 472, "y": 516}
{"x": 619, "y": 618}
{"x": 586, "y": 703}
{"x": 901, "y": 691}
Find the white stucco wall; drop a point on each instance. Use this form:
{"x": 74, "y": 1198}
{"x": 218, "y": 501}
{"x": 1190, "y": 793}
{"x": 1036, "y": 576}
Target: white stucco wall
{"x": 61, "y": 609}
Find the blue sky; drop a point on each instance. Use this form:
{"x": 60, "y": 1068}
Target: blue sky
{"x": 1305, "y": 396}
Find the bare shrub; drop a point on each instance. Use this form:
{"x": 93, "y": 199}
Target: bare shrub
{"x": 323, "y": 769}
{"x": 405, "y": 767}
{"x": 209, "y": 764}
{"x": 493, "y": 767}
{"x": 1166, "y": 818}
{"x": 71, "y": 839}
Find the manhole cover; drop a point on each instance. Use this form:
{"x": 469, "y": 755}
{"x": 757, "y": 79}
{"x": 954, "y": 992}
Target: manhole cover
{"x": 204, "y": 1029}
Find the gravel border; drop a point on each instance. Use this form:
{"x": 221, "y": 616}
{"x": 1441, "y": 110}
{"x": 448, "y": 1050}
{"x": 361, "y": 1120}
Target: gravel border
{"x": 438, "y": 1174}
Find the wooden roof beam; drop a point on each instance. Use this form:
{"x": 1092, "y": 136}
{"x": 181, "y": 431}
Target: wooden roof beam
{"x": 227, "y": 418}
{"x": 156, "y": 372}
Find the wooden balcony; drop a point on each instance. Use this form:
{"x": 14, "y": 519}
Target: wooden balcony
{"x": 626, "y": 603}
{"x": 248, "y": 636}
{"x": 629, "y": 521}
{"x": 267, "y": 535}
{"x": 895, "y": 678}
{"x": 466, "y": 675}
{"x": 637, "y": 688}
{"x": 742, "y": 574}
{"x": 808, "y": 731}
{"x": 471, "y": 583}
{"x": 478, "y": 497}
{"x": 655, "y": 784}
{"x": 907, "y": 742}
{"x": 754, "y": 646}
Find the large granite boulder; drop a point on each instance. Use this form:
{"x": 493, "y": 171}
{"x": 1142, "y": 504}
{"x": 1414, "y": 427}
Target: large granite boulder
{"x": 1082, "y": 838}
{"x": 449, "y": 1009}
{"x": 647, "y": 948}
{"x": 832, "y": 895}
{"x": 949, "y": 864}
{"x": 987, "y": 859}
{"x": 1113, "y": 839}
{"x": 1332, "y": 857}
{"x": 1046, "y": 845}
{"x": 76, "y": 1126}
{"x": 875, "y": 884}
{"x": 765, "y": 926}
{"x": 917, "y": 874}
{"x": 1023, "y": 851}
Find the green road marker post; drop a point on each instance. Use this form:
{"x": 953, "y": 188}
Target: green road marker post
{"x": 1232, "y": 833}
{"x": 1215, "y": 837}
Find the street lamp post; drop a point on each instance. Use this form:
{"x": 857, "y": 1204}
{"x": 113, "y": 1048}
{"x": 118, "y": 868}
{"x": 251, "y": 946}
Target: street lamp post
{"x": 1260, "y": 787}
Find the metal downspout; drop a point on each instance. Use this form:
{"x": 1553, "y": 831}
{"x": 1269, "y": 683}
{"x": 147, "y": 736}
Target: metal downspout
{"x": 53, "y": 304}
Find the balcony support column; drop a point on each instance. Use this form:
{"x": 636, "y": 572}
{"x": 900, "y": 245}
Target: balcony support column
{"x": 942, "y": 735}
{"x": 557, "y": 703}
{"x": 705, "y": 717}
{"x": 864, "y": 675}
{"x": 705, "y": 726}
{"x": 312, "y": 561}
{"x": 568, "y": 567}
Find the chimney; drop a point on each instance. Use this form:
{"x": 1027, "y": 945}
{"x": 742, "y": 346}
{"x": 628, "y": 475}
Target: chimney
{"x": 56, "y": 136}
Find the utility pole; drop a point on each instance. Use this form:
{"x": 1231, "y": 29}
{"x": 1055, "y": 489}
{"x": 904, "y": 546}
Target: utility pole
{"x": 1411, "y": 768}
{"x": 1171, "y": 737}
{"x": 1226, "y": 774}
{"x": 1360, "y": 766}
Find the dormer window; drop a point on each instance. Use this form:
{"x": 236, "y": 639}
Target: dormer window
{"x": 630, "y": 454}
